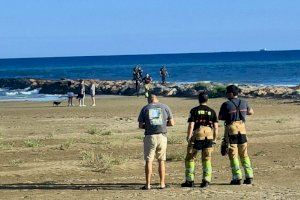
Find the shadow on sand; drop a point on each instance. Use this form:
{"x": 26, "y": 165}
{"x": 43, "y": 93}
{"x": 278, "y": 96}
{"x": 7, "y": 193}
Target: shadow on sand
{"x": 83, "y": 186}
{"x": 54, "y": 186}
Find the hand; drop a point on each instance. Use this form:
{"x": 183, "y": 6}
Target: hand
{"x": 188, "y": 139}
{"x": 214, "y": 142}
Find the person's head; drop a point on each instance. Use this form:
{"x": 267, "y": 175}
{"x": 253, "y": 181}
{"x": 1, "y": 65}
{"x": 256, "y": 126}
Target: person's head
{"x": 147, "y": 75}
{"x": 152, "y": 98}
{"x": 203, "y": 97}
{"x": 81, "y": 81}
{"x": 232, "y": 91}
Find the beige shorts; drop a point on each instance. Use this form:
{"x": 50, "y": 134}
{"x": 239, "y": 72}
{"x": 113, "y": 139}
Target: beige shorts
{"x": 155, "y": 146}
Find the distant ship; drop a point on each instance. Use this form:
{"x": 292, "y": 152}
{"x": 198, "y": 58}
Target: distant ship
{"x": 264, "y": 49}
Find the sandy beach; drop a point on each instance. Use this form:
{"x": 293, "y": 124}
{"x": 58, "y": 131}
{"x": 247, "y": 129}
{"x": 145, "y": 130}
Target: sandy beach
{"x": 96, "y": 152}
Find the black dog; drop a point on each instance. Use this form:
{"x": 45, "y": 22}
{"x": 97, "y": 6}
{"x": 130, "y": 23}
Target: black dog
{"x": 56, "y": 103}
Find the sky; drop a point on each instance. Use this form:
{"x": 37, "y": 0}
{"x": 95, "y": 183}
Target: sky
{"x": 49, "y": 28}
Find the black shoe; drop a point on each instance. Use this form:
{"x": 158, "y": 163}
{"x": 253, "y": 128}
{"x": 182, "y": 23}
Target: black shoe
{"x": 236, "y": 182}
{"x": 188, "y": 184}
{"x": 248, "y": 181}
{"x": 204, "y": 184}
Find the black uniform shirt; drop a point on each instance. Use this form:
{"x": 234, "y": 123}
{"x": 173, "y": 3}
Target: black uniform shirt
{"x": 202, "y": 116}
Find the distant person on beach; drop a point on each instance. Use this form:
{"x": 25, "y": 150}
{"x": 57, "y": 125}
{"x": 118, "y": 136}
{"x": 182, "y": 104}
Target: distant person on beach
{"x": 147, "y": 80}
{"x": 234, "y": 143}
{"x": 163, "y": 73}
{"x": 137, "y": 78}
{"x": 70, "y": 94}
{"x": 81, "y": 93}
{"x": 201, "y": 136}
{"x": 93, "y": 93}
{"x": 154, "y": 118}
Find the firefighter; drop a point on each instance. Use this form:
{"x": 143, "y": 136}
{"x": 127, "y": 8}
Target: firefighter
{"x": 234, "y": 143}
{"x": 201, "y": 136}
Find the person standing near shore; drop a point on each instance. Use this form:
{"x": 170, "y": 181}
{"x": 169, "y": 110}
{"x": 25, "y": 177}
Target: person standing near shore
{"x": 163, "y": 73}
{"x": 137, "y": 78}
{"x": 81, "y": 93}
{"x": 201, "y": 136}
{"x": 154, "y": 118}
{"x": 70, "y": 95}
{"x": 93, "y": 93}
{"x": 234, "y": 112}
{"x": 147, "y": 80}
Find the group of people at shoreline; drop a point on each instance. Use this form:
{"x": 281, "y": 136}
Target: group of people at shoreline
{"x": 81, "y": 94}
{"x": 138, "y": 78}
{"x": 201, "y": 137}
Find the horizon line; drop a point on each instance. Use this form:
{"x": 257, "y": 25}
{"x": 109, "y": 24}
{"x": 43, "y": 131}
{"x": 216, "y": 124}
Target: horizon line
{"x": 154, "y": 54}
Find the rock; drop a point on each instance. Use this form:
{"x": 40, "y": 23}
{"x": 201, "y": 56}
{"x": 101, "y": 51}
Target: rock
{"x": 124, "y": 87}
{"x": 172, "y": 92}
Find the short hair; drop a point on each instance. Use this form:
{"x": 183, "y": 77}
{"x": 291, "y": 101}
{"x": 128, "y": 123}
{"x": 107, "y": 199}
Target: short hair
{"x": 233, "y": 89}
{"x": 203, "y": 97}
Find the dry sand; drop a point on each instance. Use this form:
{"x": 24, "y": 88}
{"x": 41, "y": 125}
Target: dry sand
{"x": 96, "y": 152}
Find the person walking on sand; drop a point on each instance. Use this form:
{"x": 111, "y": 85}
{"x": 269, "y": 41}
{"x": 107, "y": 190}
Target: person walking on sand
{"x": 147, "y": 80}
{"x": 234, "y": 112}
{"x": 154, "y": 118}
{"x": 201, "y": 136}
{"x": 163, "y": 73}
{"x": 81, "y": 93}
{"x": 93, "y": 93}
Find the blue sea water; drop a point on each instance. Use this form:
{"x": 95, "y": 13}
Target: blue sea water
{"x": 261, "y": 67}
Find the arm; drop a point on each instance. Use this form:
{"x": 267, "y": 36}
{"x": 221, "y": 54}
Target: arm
{"x": 141, "y": 125}
{"x": 216, "y": 131}
{"x": 250, "y": 111}
{"x": 222, "y": 112}
{"x": 190, "y": 131}
{"x": 171, "y": 122}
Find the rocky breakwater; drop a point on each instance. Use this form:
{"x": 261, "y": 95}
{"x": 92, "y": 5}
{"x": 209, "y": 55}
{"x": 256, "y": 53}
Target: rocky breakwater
{"x": 127, "y": 88}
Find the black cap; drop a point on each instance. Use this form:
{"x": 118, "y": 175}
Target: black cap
{"x": 233, "y": 89}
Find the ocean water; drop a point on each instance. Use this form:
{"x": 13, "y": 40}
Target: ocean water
{"x": 260, "y": 67}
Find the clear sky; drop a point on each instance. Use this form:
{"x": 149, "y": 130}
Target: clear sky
{"x": 42, "y": 28}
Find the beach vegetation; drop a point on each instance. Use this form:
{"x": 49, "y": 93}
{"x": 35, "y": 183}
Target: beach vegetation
{"x": 279, "y": 121}
{"x": 139, "y": 137}
{"x": 6, "y": 145}
{"x": 202, "y": 86}
{"x": 217, "y": 91}
{"x": 100, "y": 162}
{"x": 32, "y": 143}
{"x": 96, "y": 131}
{"x": 15, "y": 162}
{"x": 66, "y": 145}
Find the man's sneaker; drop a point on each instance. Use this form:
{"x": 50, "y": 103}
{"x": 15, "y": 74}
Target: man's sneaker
{"x": 188, "y": 184}
{"x": 248, "y": 181}
{"x": 204, "y": 184}
{"x": 236, "y": 182}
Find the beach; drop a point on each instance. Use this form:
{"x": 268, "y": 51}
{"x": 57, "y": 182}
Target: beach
{"x": 96, "y": 152}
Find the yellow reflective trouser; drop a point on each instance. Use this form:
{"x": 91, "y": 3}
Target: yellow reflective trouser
{"x": 199, "y": 134}
{"x": 238, "y": 149}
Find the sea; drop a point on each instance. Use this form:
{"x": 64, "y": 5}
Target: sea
{"x": 280, "y": 68}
